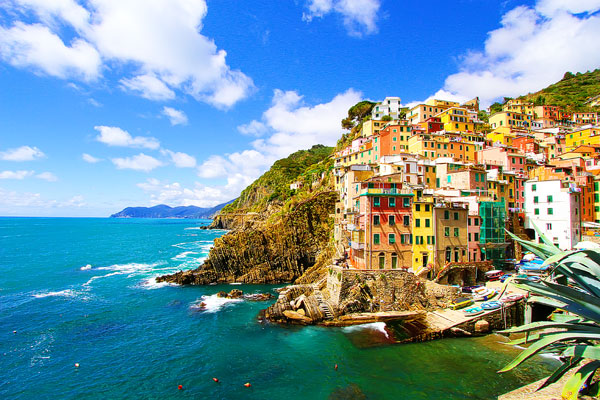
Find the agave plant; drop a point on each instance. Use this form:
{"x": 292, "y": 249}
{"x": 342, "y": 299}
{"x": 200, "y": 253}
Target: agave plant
{"x": 574, "y": 286}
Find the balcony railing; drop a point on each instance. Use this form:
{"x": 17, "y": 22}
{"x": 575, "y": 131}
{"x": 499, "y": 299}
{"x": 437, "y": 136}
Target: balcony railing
{"x": 388, "y": 191}
{"x": 357, "y": 245}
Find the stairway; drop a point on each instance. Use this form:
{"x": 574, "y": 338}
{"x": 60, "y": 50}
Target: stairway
{"x": 323, "y": 304}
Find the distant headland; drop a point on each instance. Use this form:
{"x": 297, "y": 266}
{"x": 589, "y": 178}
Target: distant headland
{"x": 164, "y": 211}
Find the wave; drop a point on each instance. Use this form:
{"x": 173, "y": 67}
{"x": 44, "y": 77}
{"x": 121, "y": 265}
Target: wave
{"x": 204, "y": 245}
{"x": 150, "y": 284}
{"x": 86, "y": 268}
{"x": 183, "y": 255}
{"x": 376, "y": 326}
{"x": 61, "y": 293}
{"x": 213, "y": 303}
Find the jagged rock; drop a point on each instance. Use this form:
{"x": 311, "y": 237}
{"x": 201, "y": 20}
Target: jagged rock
{"x": 271, "y": 251}
{"x": 234, "y": 294}
{"x": 301, "y": 311}
{"x": 259, "y": 297}
{"x": 296, "y": 316}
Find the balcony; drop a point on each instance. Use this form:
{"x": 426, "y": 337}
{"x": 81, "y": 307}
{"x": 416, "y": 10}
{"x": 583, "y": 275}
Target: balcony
{"x": 357, "y": 245}
{"x": 388, "y": 191}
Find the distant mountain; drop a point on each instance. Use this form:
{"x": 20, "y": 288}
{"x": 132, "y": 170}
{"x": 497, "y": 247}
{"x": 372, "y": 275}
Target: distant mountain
{"x": 164, "y": 211}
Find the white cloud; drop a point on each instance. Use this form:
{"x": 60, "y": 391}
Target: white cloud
{"x": 200, "y": 195}
{"x": 176, "y": 117}
{"x": 159, "y": 40}
{"x": 89, "y": 158}
{"x": 18, "y": 203}
{"x": 23, "y": 153}
{"x": 47, "y": 176}
{"x": 37, "y": 47}
{"x": 359, "y": 16}
{"x": 114, "y": 136}
{"x": 292, "y": 125}
{"x": 149, "y": 87}
{"x": 254, "y": 128}
{"x": 533, "y": 48}
{"x": 15, "y": 174}
{"x": 140, "y": 162}
{"x": 181, "y": 160}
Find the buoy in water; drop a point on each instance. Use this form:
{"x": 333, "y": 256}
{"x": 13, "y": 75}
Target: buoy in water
{"x": 14, "y": 331}
{"x": 335, "y": 367}
{"x": 216, "y": 380}
{"x": 180, "y": 387}
{"x": 76, "y": 365}
{"x": 247, "y": 384}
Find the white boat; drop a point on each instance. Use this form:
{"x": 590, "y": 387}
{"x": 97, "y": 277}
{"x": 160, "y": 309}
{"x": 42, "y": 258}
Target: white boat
{"x": 484, "y": 294}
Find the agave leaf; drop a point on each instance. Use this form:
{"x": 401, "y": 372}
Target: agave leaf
{"x": 540, "y": 250}
{"x": 550, "y": 324}
{"x": 585, "y": 310}
{"x": 584, "y": 351}
{"x": 575, "y": 383}
{"x": 560, "y": 371}
{"x": 566, "y": 318}
{"x": 557, "y": 258}
{"x": 544, "y": 237}
{"x": 575, "y": 295}
{"x": 588, "y": 263}
{"x": 536, "y": 347}
{"x": 524, "y": 340}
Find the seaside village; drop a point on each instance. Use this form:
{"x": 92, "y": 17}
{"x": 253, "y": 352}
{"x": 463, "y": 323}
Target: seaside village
{"x": 431, "y": 187}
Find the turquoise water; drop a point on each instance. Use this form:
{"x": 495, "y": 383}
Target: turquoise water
{"x": 81, "y": 291}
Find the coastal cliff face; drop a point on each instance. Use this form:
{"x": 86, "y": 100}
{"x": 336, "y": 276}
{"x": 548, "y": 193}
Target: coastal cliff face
{"x": 276, "y": 250}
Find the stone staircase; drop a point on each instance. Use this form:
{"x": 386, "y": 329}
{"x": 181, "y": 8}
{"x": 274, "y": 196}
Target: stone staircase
{"x": 323, "y": 305}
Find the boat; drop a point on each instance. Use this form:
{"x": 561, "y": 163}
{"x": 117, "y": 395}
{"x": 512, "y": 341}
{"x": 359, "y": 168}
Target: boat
{"x": 471, "y": 311}
{"x": 483, "y": 294}
{"x": 509, "y": 298}
{"x": 469, "y": 289}
{"x": 461, "y": 302}
{"x": 494, "y": 275}
{"x": 491, "y": 305}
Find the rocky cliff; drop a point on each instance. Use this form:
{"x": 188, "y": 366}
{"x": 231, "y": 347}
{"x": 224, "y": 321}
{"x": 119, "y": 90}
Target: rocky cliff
{"x": 275, "y": 250}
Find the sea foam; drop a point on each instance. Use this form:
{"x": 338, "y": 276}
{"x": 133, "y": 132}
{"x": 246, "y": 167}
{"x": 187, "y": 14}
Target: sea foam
{"x": 376, "y": 326}
{"x": 213, "y": 303}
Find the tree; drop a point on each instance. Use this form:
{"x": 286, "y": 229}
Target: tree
{"x": 357, "y": 113}
{"x": 386, "y": 118}
{"x": 574, "y": 286}
{"x": 496, "y": 107}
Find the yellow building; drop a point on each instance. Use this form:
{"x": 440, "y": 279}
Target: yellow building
{"x": 456, "y": 119}
{"x": 597, "y": 198}
{"x": 441, "y": 103}
{"x": 423, "y": 234}
{"x": 519, "y": 106}
{"x": 371, "y": 127}
{"x": 511, "y": 120}
{"x": 585, "y": 136}
{"x": 503, "y": 135}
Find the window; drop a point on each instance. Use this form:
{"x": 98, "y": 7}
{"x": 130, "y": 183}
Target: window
{"x": 446, "y": 232}
{"x": 456, "y": 232}
{"x": 536, "y": 211}
{"x": 418, "y": 222}
{"x": 448, "y": 254}
{"x": 394, "y": 261}
{"x": 406, "y": 202}
{"x": 456, "y": 216}
{"x": 376, "y": 238}
{"x": 381, "y": 261}
{"x": 551, "y": 211}
{"x": 469, "y": 237}
{"x": 426, "y": 207}
{"x": 533, "y": 188}
{"x": 550, "y": 199}
{"x": 376, "y": 201}
{"x": 418, "y": 207}
{"x": 427, "y": 222}
{"x": 375, "y": 219}
{"x": 406, "y": 220}
{"x": 446, "y": 214}
{"x": 391, "y": 238}
{"x": 535, "y": 199}
{"x": 476, "y": 237}
{"x": 392, "y": 202}
{"x": 549, "y": 226}
{"x": 476, "y": 221}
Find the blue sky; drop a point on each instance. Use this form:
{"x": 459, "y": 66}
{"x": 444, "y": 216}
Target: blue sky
{"x": 107, "y": 104}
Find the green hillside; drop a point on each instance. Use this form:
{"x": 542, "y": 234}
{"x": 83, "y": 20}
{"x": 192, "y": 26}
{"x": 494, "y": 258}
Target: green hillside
{"x": 570, "y": 92}
{"x": 274, "y": 185}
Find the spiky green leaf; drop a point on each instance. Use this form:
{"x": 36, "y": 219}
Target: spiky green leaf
{"x": 575, "y": 383}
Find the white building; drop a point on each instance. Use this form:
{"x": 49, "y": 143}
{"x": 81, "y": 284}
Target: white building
{"x": 553, "y": 207}
{"x": 390, "y": 106}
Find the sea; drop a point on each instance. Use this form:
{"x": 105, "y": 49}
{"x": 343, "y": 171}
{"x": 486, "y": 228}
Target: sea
{"x": 82, "y": 317}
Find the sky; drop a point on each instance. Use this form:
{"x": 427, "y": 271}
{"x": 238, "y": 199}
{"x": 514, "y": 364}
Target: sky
{"x": 106, "y": 104}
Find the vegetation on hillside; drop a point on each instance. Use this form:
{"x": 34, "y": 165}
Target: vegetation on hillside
{"x": 304, "y": 166}
{"x": 570, "y": 92}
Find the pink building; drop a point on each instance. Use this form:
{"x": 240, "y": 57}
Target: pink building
{"x": 507, "y": 157}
